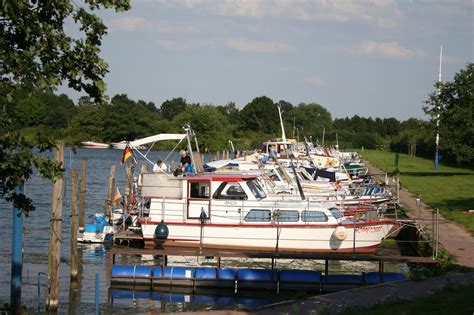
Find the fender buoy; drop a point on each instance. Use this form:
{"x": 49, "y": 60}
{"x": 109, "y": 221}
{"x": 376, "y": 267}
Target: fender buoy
{"x": 161, "y": 231}
{"x": 340, "y": 233}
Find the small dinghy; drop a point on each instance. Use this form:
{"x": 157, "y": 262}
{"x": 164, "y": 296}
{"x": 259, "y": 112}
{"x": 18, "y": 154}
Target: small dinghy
{"x": 98, "y": 232}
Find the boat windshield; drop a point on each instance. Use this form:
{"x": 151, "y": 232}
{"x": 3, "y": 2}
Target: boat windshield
{"x": 256, "y": 189}
{"x": 336, "y": 213}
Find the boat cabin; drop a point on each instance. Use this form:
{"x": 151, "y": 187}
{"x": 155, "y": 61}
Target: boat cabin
{"x": 223, "y": 198}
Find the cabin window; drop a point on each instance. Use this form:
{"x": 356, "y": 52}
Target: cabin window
{"x": 336, "y": 213}
{"x": 313, "y": 216}
{"x": 286, "y": 215}
{"x": 255, "y": 215}
{"x": 256, "y": 189}
{"x": 230, "y": 190}
{"x": 199, "y": 190}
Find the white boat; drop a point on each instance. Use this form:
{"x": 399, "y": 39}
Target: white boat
{"x": 95, "y": 145}
{"x": 98, "y": 232}
{"x": 226, "y": 211}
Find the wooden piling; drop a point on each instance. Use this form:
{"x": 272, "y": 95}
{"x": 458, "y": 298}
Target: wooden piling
{"x": 110, "y": 193}
{"x": 128, "y": 186}
{"x": 74, "y": 260}
{"x": 55, "y": 232}
{"x": 82, "y": 196}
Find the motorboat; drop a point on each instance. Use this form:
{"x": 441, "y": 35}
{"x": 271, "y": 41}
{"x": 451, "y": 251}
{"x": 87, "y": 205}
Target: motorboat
{"x": 95, "y": 145}
{"x": 232, "y": 211}
{"x": 100, "y": 231}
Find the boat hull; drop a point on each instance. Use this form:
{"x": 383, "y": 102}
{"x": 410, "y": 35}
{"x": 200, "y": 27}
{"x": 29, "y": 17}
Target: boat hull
{"x": 287, "y": 238}
{"x": 95, "y": 145}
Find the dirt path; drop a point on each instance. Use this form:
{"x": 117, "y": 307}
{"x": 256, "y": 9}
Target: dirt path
{"x": 452, "y": 237}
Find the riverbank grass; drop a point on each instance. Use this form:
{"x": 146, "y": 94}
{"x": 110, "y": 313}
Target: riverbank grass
{"x": 449, "y": 189}
{"x": 451, "y": 300}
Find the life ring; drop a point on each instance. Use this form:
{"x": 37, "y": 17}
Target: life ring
{"x": 340, "y": 233}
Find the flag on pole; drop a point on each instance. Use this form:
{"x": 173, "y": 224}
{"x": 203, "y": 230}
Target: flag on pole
{"x": 127, "y": 153}
{"x": 117, "y": 197}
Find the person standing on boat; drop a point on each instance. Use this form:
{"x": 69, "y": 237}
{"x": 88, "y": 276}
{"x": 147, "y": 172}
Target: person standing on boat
{"x": 185, "y": 160}
{"x": 185, "y": 164}
{"x": 272, "y": 155}
{"x": 160, "y": 166}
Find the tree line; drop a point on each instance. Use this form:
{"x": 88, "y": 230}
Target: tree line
{"x": 43, "y": 113}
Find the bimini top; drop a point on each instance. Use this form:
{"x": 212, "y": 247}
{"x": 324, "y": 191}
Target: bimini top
{"x": 156, "y": 138}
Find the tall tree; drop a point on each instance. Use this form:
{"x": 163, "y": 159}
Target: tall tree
{"x": 171, "y": 108}
{"x": 230, "y": 110}
{"x": 209, "y": 124}
{"x": 36, "y": 51}
{"x": 454, "y": 103}
{"x": 261, "y": 114}
{"x": 313, "y": 119}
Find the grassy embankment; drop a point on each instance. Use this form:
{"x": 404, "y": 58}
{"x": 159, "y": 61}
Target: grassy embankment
{"x": 447, "y": 301}
{"x": 450, "y": 189}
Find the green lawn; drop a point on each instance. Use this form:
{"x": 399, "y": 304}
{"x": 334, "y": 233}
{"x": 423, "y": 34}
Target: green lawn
{"x": 450, "y": 189}
{"x": 448, "y": 301}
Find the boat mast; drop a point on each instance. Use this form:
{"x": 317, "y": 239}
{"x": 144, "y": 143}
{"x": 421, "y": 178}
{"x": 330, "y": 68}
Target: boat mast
{"x": 438, "y": 108}
{"x": 324, "y": 133}
{"x": 283, "y": 135}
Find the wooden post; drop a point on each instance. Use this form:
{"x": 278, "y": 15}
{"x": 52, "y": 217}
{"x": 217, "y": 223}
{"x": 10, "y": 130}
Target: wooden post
{"x": 128, "y": 186}
{"x": 110, "y": 193}
{"x": 82, "y": 197}
{"x": 433, "y": 233}
{"x": 437, "y": 233}
{"x": 55, "y": 232}
{"x": 74, "y": 260}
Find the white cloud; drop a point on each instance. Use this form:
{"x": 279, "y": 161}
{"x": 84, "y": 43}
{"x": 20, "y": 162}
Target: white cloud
{"x": 389, "y": 50}
{"x": 130, "y": 23}
{"x": 246, "y": 45}
{"x": 384, "y": 13}
{"x": 175, "y": 45}
{"x": 313, "y": 80}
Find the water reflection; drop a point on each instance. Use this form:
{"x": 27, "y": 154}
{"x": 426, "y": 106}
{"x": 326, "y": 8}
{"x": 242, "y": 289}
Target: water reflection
{"x": 182, "y": 299}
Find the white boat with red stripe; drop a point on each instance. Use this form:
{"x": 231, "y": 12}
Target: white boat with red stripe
{"x": 232, "y": 211}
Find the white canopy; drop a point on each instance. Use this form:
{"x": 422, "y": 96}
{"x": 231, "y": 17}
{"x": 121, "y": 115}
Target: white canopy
{"x": 156, "y": 138}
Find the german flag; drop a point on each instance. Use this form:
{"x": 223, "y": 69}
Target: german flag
{"x": 127, "y": 153}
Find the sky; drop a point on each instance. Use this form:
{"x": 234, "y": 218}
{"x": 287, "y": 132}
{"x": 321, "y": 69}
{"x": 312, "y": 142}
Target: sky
{"x": 377, "y": 58}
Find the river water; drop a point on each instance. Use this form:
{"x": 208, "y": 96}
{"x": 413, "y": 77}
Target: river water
{"x": 93, "y": 258}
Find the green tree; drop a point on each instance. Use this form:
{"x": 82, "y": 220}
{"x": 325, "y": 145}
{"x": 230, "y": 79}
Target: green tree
{"x": 129, "y": 120}
{"x": 209, "y": 124}
{"x": 454, "y": 103}
{"x": 313, "y": 118}
{"x": 43, "y": 108}
{"x": 261, "y": 114}
{"x": 171, "y": 108}
{"x": 391, "y": 127}
{"x": 230, "y": 111}
{"x": 37, "y": 52}
{"x": 89, "y": 123}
